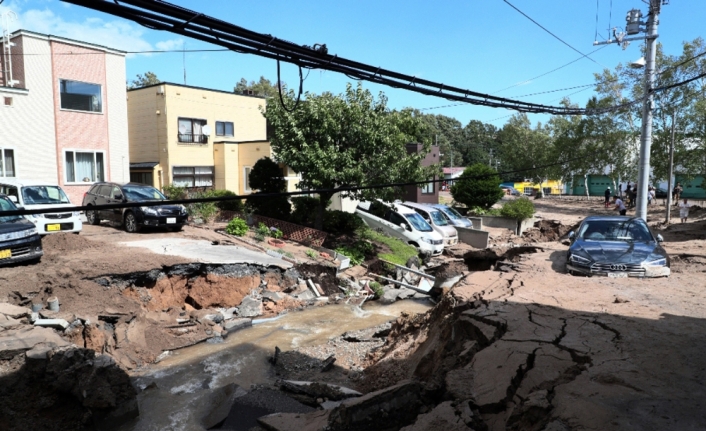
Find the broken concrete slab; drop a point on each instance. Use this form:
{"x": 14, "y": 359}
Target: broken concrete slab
{"x": 13, "y": 311}
{"x": 52, "y": 323}
{"x": 246, "y": 409}
{"x": 320, "y": 389}
{"x": 15, "y": 341}
{"x": 443, "y": 417}
{"x": 234, "y": 325}
{"x": 273, "y": 296}
{"x": 250, "y": 307}
{"x": 315, "y": 421}
{"x": 404, "y": 293}
{"x": 306, "y": 295}
{"x": 389, "y": 294}
{"x": 8, "y": 322}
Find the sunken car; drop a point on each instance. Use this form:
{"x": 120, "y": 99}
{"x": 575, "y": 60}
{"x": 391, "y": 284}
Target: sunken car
{"x": 616, "y": 246}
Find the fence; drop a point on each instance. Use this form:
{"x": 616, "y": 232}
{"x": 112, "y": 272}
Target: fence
{"x": 293, "y": 232}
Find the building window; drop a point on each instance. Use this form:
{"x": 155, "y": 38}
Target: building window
{"x": 7, "y": 163}
{"x": 246, "y": 178}
{"x": 7, "y": 101}
{"x": 192, "y": 176}
{"x": 224, "y": 128}
{"x": 428, "y": 189}
{"x": 141, "y": 177}
{"x": 528, "y": 191}
{"x": 80, "y": 96}
{"x": 191, "y": 131}
{"x": 84, "y": 166}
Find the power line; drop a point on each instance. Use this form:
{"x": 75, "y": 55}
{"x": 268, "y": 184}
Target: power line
{"x": 160, "y": 15}
{"x": 552, "y": 34}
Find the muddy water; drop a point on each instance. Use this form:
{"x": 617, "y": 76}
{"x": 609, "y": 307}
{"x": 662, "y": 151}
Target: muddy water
{"x": 179, "y": 392}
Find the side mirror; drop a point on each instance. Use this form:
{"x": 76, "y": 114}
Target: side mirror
{"x": 404, "y": 226}
{"x": 118, "y": 197}
{"x": 660, "y": 238}
{"x": 13, "y": 199}
{"x": 572, "y": 235}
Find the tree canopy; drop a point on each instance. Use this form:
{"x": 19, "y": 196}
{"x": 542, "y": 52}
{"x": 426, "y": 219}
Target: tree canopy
{"x": 149, "y": 78}
{"x": 479, "y": 186}
{"x": 347, "y": 140}
{"x": 264, "y": 87}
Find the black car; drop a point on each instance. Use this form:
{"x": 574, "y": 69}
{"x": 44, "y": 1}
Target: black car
{"x": 171, "y": 216}
{"x": 616, "y": 246}
{"x": 19, "y": 239}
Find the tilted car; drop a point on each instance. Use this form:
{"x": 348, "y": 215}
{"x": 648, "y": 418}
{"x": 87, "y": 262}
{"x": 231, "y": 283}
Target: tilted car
{"x": 19, "y": 238}
{"x": 616, "y": 246}
{"x": 436, "y": 220}
{"x": 453, "y": 216}
{"x": 34, "y": 195}
{"x": 403, "y": 223}
{"x": 133, "y": 219}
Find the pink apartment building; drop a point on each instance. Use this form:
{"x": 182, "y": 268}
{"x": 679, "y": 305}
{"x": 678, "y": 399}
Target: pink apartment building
{"x": 63, "y": 112}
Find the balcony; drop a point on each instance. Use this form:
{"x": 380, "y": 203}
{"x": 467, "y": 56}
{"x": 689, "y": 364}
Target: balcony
{"x": 194, "y": 139}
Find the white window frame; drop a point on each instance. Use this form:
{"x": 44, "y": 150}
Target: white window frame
{"x": 246, "y": 182}
{"x": 194, "y": 174}
{"x": 225, "y": 134}
{"x": 2, "y": 161}
{"x": 78, "y": 110}
{"x": 95, "y": 165}
{"x": 426, "y": 187}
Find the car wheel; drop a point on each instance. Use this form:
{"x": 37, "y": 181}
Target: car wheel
{"x": 131, "y": 223}
{"x": 92, "y": 217}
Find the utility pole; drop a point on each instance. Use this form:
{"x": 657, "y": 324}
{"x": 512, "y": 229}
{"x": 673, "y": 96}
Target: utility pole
{"x": 633, "y": 27}
{"x": 671, "y": 169}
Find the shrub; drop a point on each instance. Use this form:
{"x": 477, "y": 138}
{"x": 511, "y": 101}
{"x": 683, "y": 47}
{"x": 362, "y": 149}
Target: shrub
{"x": 262, "y": 230}
{"x": 174, "y": 192}
{"x": 276, "y": 233}
{"x": 481, "y": 188}
{"x": 277, "y": 207}
{"x": 259, "y": 237}
{"x": 357, "y": 251}
{"x": 202, "y": 210}
{"x": 312, "y": 254}
{"x": 234, "y": 205}
{"x": 377, "y": 288}
{"x": 305, "y": 208}
{"x": 338, "y": 222}
{"x": 518, "y": 209}
{"x": 266, "y": 176}
{"x": 237, "y": 227}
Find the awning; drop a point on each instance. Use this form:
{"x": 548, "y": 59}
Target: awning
{"x": 144, "y": 165}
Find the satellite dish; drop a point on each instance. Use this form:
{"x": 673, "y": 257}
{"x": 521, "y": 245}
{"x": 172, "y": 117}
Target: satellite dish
{"x": 206, "y": 130}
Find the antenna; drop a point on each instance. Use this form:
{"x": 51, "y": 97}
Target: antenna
{"x": 183, "y": 58}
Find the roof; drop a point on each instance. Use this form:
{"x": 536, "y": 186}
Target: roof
{"x": 453, "y": 170}
{"x": 426, "y": 207}
{"x": 69, "y": 41}
{"x": 143, "y": 165}
{"x": 21, "y": 182}
{"x": 173, "y": 84}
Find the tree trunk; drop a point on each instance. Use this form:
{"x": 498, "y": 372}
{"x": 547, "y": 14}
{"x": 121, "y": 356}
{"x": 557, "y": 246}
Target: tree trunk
{"x": 585, "y": 184}
{"x": 323, "y": 200}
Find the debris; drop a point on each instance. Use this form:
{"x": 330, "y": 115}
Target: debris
{"x": 273, "y": 359}
{"x": 313, "y": 287}
{"x": 250, "y": 307}
{"x": 53, "y": 303}
{"x": 620, "y": 300}
{"x": 235, "y": 324}
{"x": 328, "y": 363}
{"x": 13, "y": 311}
{"x": 52, "y": 323}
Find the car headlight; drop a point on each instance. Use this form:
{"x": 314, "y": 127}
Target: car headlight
{"x": 427, "y": 240}
{"x": 182, "y": 208}
{"x": 579, "y": 259}
{"x": 662, "y": 261}
{"x": 37, "y": 215}
{"x": 149, "y": 210}
{"x": 31, "y": 232}
{"x": 18, "y": 235}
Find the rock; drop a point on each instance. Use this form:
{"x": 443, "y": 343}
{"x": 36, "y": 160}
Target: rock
{"x": 234, "y": 325}
{"x": 13, "y": 311}
{"x": 273, "y": 296}
{"x": 306, "y": 295}
{"x": 389, "y": 295}
{"x": 8, "y": 322}
{"x": 404, "y": 293}
{"x": 246, "y": 409}
{"x": 319, "y": 390}
{"x": 620, "y": 300}
{"x": 250, "y": 307}
{"x": 328, "y": 363}
{"x": 95, "y": 338}
{"x": 413, "y": 262}
{"x": 443, "y": 417}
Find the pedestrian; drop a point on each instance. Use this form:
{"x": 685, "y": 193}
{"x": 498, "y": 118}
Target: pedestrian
{"x": 653, "y": 195}
{"x": 628, "y": 189}
{"x": 678, "y": 189}
{"x": 619, "y": 205}
{"x": 607, "y": 198}
{"x": 684, "y": 210}
{"x": 649, "y": 195}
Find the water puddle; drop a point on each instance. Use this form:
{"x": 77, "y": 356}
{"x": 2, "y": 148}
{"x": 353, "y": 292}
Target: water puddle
{"x": 177, "y": 393}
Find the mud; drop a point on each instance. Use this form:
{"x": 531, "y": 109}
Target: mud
{"x": 548, "y": 231}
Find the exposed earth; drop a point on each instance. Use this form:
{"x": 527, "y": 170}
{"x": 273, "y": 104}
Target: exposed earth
{"x": 516, "y": 344}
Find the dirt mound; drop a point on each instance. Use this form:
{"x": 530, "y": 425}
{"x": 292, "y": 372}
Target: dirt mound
{"x": 548, "y": 231}
{"x": 66, "y": 242}
{"x": 324, "y": 275}
{"x": 688, "y": 263}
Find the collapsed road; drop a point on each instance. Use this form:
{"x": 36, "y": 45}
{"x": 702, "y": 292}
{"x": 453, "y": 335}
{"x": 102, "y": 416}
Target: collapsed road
{"x": 515, "y": 344}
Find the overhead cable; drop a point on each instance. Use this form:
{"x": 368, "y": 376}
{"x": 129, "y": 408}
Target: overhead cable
{"x": 160, "y": 15}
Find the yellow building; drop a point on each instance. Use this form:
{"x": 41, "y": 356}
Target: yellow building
{"x": 196, "y": 137}
{"x": 528, "y": 188}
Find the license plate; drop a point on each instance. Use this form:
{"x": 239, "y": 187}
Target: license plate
{"x": 171, "y": 220}
{"x": 617, "y": 275}
{"x": 53, "y": 227}
{"x": 4, "y": 254}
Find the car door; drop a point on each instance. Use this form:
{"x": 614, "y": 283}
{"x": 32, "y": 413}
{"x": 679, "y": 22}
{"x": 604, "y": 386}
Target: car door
{"x": 101, "y": 198}
{"x": 116, "y": 197}
{"x": 394, "y": 222}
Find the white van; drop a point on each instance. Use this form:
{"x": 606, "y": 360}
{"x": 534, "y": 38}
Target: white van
{"x": 34, "y": 195}
{"x": 436, "y": 220}
{"x": 403, "y": 223}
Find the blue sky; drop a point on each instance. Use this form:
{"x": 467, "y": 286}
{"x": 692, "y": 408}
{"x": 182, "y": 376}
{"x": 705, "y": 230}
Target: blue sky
{"x": 484, "y": 46}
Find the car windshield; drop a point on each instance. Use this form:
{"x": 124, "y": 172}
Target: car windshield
{"x": 7, "y": 205}
{"x": 451, "y": 213}
{"x": 142, "y": 194}
{"x": 418, "y": 222}
{"x": 615, "y": 230}
{"x": 44, "y": 195}
{"x": 438, "y": 218}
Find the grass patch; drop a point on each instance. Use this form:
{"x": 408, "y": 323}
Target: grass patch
{"x": 400, "y": 252}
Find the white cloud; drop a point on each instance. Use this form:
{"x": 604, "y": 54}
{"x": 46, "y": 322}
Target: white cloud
{"x": 113, "y": 33}
{"x": 168, "y": 45}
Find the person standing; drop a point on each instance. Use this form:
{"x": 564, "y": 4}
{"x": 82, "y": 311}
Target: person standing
{"x": 607, "y": 198}
{"x": 619, "y": 205}
{"x": 684, "y": 210}
{"x": 676, "y": 193}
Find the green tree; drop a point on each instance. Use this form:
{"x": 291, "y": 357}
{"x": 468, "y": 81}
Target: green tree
{"x": 263, "y": 87}
{"x": 347, "y": 140}
{"x": 479, "y": 186}
{"x": 149, "y": 78}
{"x": 266, "y": 177}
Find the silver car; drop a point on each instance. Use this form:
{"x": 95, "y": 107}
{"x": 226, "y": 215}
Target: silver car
{"x": 453, "y": 216}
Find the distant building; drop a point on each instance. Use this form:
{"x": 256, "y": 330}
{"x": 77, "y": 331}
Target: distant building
{"x": 450, "y": 174}
{"x": 428, "y": 193}
{"x": 63, "y": 115}
{"x": 197, "y": 137}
